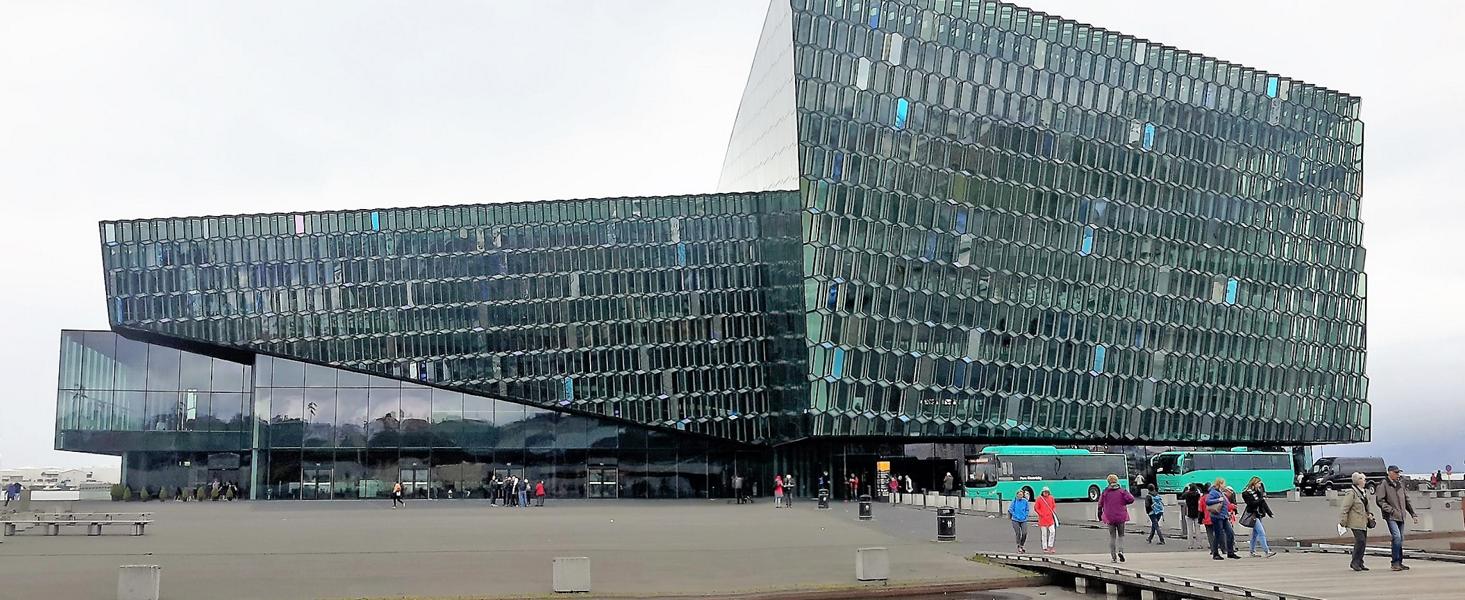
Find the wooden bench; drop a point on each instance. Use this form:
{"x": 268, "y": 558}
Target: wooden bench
{"x": 52, "y": 523}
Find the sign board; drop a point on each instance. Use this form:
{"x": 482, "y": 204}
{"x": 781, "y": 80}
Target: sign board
{"x": 882, "y": 479}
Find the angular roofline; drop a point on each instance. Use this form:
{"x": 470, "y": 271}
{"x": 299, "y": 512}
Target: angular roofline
{"x": 440, "y": 206}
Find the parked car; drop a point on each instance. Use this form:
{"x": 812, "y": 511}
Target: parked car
{"x": 1335, "y": 472}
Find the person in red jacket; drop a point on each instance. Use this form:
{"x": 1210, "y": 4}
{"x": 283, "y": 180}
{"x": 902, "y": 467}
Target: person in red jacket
{"x": 1047, "y": 509}
{"x": 539, "y": 493}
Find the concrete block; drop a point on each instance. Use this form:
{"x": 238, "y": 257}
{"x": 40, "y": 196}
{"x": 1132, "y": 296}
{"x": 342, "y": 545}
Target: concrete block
{"x": 1149, "y": 595}
{"x": 572, "y": 574}
{"x": 964, "y": 504}
{"x": 1426, "y": 522}
{"x": 1113, "y": 591}
{"x": 872, "y": 564}
{"x": 1330, "y": 493}
{"x": 139, "y": 582}
{"x": 1081, "y": 585}
{"x": 1294, "y": 496}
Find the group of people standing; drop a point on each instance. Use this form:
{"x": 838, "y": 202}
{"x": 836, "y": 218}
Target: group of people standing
{"x": 1213, "y": 509}
{"x": 511, "y": 491}
{"x": 783, "y": 490}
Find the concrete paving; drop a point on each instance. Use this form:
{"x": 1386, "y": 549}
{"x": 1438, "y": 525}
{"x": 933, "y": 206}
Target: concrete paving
{"x": 353, "y": 549}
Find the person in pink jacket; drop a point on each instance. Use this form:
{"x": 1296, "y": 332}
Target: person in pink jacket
{"x": 1047, "y": 509}
{"x": 1114, "y": 512}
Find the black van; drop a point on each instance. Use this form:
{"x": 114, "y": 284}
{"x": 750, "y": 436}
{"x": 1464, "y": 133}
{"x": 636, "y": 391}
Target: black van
{"x": 1335, "y": 472}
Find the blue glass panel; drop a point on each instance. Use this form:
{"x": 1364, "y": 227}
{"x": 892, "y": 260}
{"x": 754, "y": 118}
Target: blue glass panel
{"x": 838, "y": 165}
{"x": 376, "y": 221}
{"x": 961, "y": 222}
{"x": 1087, "y": 247}
{"x": 1099, "y": 352}
{"x": 1149, "y": 135}
{"x": 874, "y": 16}
{"x": 569, "y": 389}
{"x": 838, "y": 369}
{"x": 833, "y": 295}
{"x": 930, "y": 246}
{"x": 1231, "y": 291}
{"x": 902, "y": 112}
{"x": 682, "y": 253}
{"x": 1272, "y": 87}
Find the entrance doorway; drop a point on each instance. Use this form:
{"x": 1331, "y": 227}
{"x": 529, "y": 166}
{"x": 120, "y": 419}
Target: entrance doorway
{"x": 414, "y": 481}
{"x": 317, "y": 482}
{"x": 602, "y": 483}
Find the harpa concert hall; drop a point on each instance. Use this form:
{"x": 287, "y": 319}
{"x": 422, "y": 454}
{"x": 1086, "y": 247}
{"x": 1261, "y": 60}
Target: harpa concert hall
{"x": 939, "y": 222}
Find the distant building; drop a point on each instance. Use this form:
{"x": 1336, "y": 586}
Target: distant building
{"x": 50, "y": 478}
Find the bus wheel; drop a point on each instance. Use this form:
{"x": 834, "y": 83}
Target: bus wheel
{"x": 1093, "y": 493}
{"x": 1029, "y": 492}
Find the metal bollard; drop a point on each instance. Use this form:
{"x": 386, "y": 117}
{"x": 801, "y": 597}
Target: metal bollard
{"x": 823, "y": 499}
{"x": 865, "y": 511}
{"x": 945, "y": 524}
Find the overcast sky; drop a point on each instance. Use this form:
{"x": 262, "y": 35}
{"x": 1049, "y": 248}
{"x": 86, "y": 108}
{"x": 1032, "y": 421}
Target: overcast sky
{"x": 177, "y": 108}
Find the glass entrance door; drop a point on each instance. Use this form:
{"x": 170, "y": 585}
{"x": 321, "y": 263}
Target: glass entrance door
{"x": 602, "y": 483}
{"x": 317, "y": 482}
{"x": 414, "y": 482}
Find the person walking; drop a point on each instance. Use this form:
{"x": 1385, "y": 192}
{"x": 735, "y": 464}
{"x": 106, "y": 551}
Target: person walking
{"x": 1190, "y": 522}
{"x": 1255, "y": 497}
{"x": 1157, "y": 514}
{"x": 1018, "y": 512}
{"x": 1220, "y": 509}
{"x": 1393, "y": 501}
{"x": 894, "y": 488}
{"x": 397, "y": 496}
{"x": 1357, "y": 517}
{"x": 523, "y": 489}
{"x": 854, "y": 487}
{"x": 539, "y": 493}
{"x": 948, "y": 483}
{"x": 1205, "y": 518}
{"x": 1114, "y": 512}
{"x": 910, "y": 487}
{"x": 788, "y": 490}
{"x": 777, "y": 491}
{"x": 1047, "y": 508}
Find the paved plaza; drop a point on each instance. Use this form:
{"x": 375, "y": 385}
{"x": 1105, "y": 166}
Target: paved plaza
{"x": 451, "y": 549}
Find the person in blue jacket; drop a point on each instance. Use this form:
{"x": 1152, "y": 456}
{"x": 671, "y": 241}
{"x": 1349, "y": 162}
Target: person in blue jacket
{"x": 1018, "y": 511}
{"x": 1220, "y": 508}
{"x": 1157, "y": 513}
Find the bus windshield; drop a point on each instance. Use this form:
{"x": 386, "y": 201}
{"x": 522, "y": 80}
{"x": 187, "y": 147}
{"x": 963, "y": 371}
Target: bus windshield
{"x": 982, "y": 471}
{"x": 1167, "y": 464}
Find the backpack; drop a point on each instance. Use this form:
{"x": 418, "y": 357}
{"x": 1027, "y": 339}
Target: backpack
{"x": 1157, "y": 505}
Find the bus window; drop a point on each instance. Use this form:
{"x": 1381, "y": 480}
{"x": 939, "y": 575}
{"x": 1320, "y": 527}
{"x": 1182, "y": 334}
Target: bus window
{"x": 1167, "y": 464}
{"x": 1188, "y": 464}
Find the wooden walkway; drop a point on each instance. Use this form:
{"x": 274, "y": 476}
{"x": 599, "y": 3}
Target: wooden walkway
{"x": 1289, "y": 575}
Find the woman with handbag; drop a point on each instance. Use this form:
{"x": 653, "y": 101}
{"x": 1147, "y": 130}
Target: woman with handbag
{"x": 1255, "y": 496}
{"x": 1357, "y": 516}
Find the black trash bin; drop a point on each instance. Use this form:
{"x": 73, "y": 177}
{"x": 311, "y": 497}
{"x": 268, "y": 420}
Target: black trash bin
{"x": 865, "y": 511}
{"x": 823, "y": 499}
{"x": 946, "y": 524}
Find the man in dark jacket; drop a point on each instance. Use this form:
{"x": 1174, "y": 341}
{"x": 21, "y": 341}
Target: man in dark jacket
{"x": 1393, "y": 501}
{"x": 1190, "y": 520}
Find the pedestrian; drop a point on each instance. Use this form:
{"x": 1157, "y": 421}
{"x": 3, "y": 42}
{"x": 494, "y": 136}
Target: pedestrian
{"x": 1205, "y": 518}
{"x": 539, "y": 493}
{"x": 1139, "y": 483}
{"x": 1157, "y": 514}
{"x": 1189, "y": 516}
{"x": 1393, "y": 501}
{"x": 894, "y": 486}
{"x": 854, "y": 487}
{"x": 1114, "y": 512}
{"x": 1255, "y": 496}
{"x": 947, "y": 483}
{"x": 1047, "y": 509}
{"x": 777, "y": 491}
{"x": 495, "y": 485}
{"x": 523, "y": 489}
{"x": 910, "y": 487}
{"x": 1220, "y": 510}
{"x": 1434, "y": 480}
{"x": 397, "y": 496}
{"x": 1357, "y": 517}
{"x": 737, "y": 484}
{"x": 788, "y": 490}
{"x": 1018, "y": 512}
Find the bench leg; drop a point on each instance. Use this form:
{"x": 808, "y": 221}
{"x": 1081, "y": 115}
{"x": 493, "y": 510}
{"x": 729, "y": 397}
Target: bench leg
{"x": 53, "y": 529}
{"x": 94, "y": 529}
{"x": 9, "y": 529}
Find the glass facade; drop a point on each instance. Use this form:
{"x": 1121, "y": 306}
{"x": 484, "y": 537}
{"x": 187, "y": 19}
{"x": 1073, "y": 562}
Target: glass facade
{"x": 1020, "y": 226}
{"x": 284, "y": 429}
{"x": 679, "y": 312}
{"x": 942, "y": 221}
